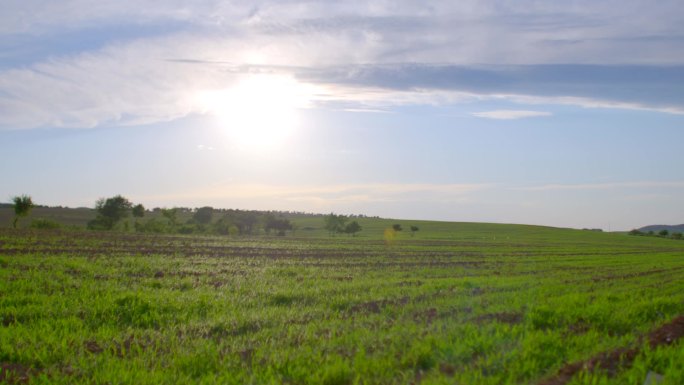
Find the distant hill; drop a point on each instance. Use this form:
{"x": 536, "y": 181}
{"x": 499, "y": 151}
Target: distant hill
{"x": 656, "y": 228}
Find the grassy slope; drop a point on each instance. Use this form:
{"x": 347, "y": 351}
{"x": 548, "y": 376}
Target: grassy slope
{"x": 457, "y": 303}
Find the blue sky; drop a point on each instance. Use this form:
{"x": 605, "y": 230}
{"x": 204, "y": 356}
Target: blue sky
{"x": 561, "y": 114}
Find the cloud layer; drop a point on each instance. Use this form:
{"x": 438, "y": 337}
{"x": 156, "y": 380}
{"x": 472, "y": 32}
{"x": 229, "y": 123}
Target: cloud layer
{"x": 80, "y": 64}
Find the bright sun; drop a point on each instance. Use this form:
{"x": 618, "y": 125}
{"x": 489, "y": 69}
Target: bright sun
{"x": 260, "y": 111}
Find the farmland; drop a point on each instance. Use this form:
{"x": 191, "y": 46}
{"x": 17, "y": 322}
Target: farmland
{"x": 456, "y": 303}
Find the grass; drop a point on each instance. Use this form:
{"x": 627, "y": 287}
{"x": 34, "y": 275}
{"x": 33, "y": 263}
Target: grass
{"x": 456, "y": 303}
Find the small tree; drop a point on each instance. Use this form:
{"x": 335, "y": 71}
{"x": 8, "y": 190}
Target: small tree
{"x": 22, "y": 207}
{"x": 138, "y": 211}
{"x": 171, "y": 215}
{"x": 280, "y": 225}
{"x": 334, "y": 223}
{"x": 352, "y": 228}
{"x": 203, "y": 215}
{"x": 663, "y": 233}
{"x": 109, "y": 212}
{"x": 414, "y": 229}
{"x": 396, "y": 227}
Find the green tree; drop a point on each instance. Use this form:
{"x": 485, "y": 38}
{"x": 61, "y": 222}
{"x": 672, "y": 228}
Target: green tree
{"x": 109, "y": 212}
{"x": 414, "y": 229}
{"x": 247, "y": 222}
{"x": 663, "y": 233}
{"x": 334, "y": 223}
{"x": 352, "y": 228}
{"x": 22, "y": 207}
{"x": 280, "y": 225}
{"x": 203, "y": 215}
{"x": 138, "y": 211}
{"x": 171, "y": 215}
{"x": 396, "y": 227}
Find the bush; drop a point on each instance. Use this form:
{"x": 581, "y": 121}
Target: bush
{"x": 41, "y": 223}
{"x": 152, "y": 226}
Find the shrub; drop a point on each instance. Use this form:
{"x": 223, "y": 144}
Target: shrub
{"x": 41, "y": 223}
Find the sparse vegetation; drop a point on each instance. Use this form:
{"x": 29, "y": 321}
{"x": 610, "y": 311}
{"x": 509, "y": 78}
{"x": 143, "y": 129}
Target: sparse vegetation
{"x": 41, "y": 223}
{"x": 660, "y": 234}
{"x": 457, "y": 305}
{"x": 22, "y": 207}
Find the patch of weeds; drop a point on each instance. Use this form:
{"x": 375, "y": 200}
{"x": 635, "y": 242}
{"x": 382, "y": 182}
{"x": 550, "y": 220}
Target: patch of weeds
{"x": 543, "y": 318}
{"x": 134, "y": 311}
{"x": 224, "y": 330}
{"x": 337, "y": 373}
{"x": 183, "y": 286}
{"x": 289, "y": 299}
{"x": 419, "y": 358}
{"x": 282, "y": 300}
{"x": 13, "y": 373}
{"x": 657, "y": 309}
{"x": 203, "y": 361}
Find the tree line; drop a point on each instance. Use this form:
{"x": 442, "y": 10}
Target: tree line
{"x": 661, "y": 234}
{"x": 113, "y": 214}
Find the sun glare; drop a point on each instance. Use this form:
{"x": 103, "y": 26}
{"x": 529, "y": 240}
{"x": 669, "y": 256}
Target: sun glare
{"x": 260, "y": 111}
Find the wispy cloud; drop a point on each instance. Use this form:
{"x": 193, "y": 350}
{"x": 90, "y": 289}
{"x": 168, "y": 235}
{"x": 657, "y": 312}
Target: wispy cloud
{"x": 324, "y": 195}
{"x": 370, "y": 56}
{"x": 603, "y": 186}
{"x": 510, "y": 114}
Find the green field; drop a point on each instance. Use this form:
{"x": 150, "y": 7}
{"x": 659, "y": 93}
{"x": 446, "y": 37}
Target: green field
{"x": 457, "y": 303}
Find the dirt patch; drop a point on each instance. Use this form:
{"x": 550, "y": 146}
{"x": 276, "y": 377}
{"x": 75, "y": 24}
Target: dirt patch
{"x": 510, "y": 318}
{"x": 634, "y": 275}
{"x": 246, "y": 355}
{"x": 12, "y": 373}
{"x": 8, "y": 319}
{"x": 614, "y": 361}
{"x": 427, "y": 316}
{"x": 377, "y": 306}
{"x": 668, "y": 333}
{"x": 93, "y": 347}
{"x": 447, "y": 369}
{"x": 128, "y": 346}
{"x": 578, "y": 328}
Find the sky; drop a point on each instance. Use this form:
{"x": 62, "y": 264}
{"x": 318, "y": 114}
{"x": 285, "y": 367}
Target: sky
{"x": 567, "y": 114}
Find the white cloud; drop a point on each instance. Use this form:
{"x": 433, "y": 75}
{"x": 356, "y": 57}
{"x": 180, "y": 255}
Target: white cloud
{"x": 604, "y": 186}
{"x": 138, "y": 79}
{"x": 510, "y": 114}
{"x": 263, "y": 195}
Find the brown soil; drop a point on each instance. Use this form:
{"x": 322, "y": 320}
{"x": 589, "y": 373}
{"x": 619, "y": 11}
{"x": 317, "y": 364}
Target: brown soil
{"x": 11, "y": 373}
{"x": 510, "y": 318}
{"x": 428, "y": 316}
{"x": 93, "y": 347}
{"x": 377, "y": 306}
{"x": 612, "y": 362}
